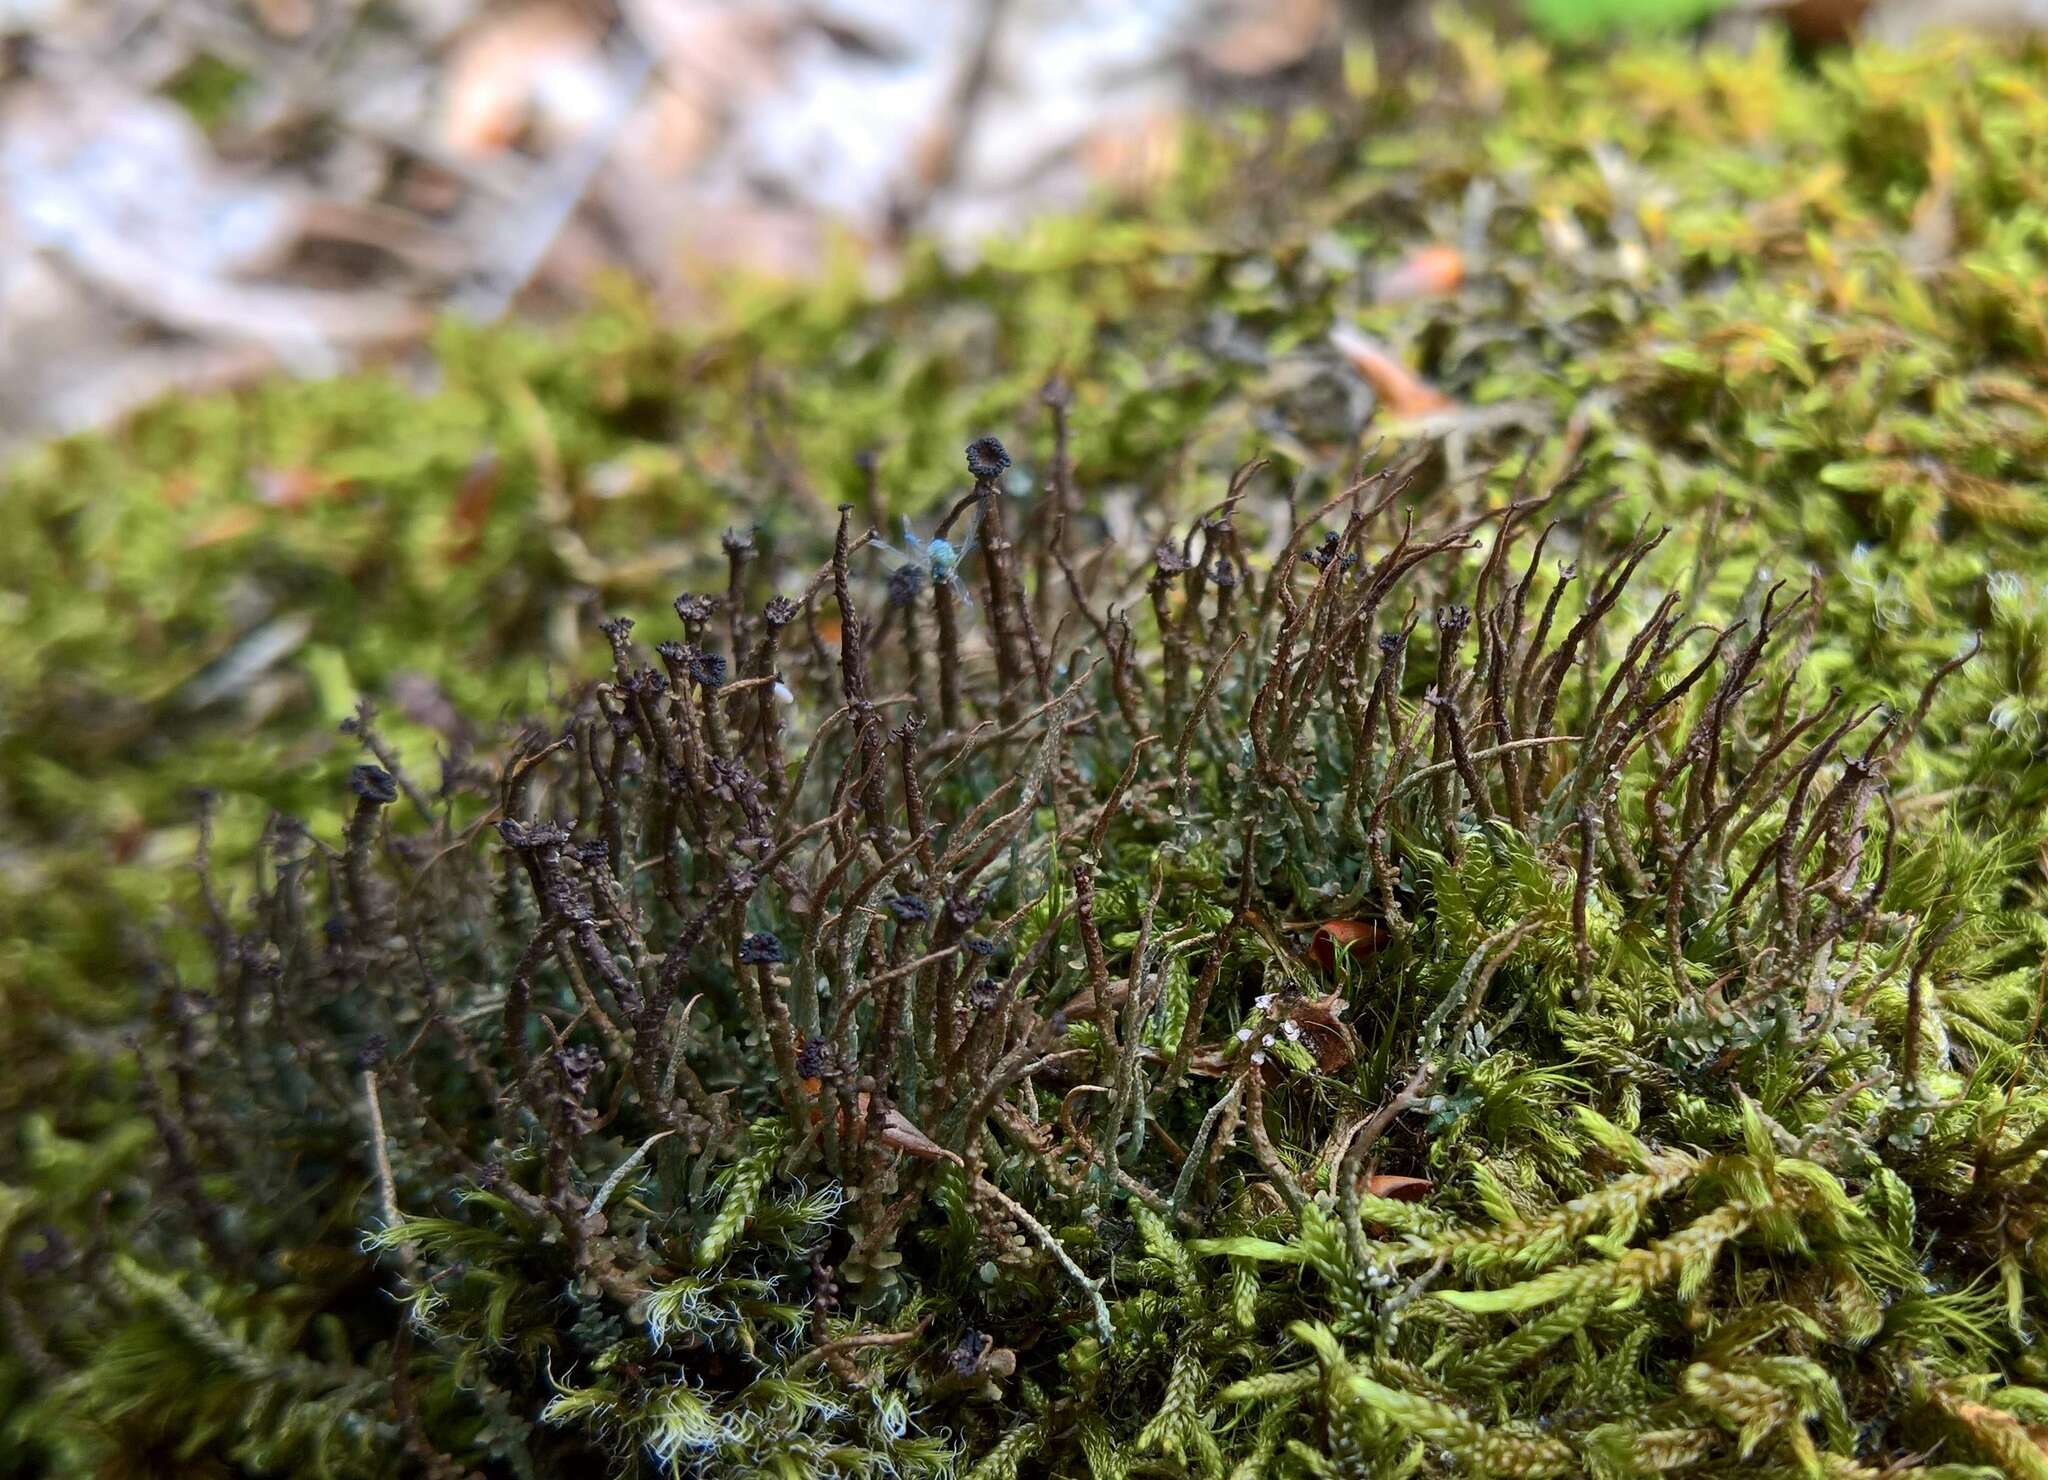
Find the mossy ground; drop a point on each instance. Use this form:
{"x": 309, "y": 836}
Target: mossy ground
{"x": 1789, "y": 310}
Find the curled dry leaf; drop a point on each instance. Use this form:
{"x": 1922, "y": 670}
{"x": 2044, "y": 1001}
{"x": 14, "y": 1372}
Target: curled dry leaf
{"x": 1821, "y": 22}
{"x": 1400, "y": 1189}
{"x": 1323, "y": 1030}
{"x": 1395, "y": 1189}
{"x": 1355, "y": 938}
{"x": 1136, "y": 153}
{"x": 1399, "y": 389}
{"x": 286, "y": 19}
{"x": 535, "y": 66}
{"x": 1265, "y": 38}
{"x": 897, "y": 1130}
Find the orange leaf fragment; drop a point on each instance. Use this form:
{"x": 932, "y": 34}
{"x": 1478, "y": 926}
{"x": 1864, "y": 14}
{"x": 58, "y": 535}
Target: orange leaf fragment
{"x": 1427, "y": 272}
{"x": 292, "y": 487}
{"x": 1356, "y": 938}
{"x": 229, "y": 524}
{"x": 472, "y": 507}
{"x": 1400, "y": 389}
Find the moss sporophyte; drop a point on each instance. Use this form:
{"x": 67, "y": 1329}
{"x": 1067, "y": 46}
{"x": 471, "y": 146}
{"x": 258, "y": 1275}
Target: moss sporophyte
{"x": 1381, "y": 962}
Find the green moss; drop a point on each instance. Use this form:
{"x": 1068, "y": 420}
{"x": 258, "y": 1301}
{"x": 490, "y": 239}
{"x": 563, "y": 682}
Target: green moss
{"x": 1789, "y": 313}
{"x": 208, "y": 88}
